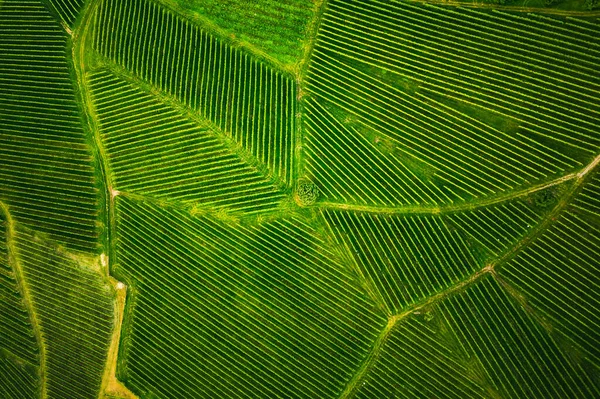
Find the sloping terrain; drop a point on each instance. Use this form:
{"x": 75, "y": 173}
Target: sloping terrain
{"x": 299, "y": 199}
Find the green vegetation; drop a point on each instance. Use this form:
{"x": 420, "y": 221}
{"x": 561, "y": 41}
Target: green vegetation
{"x": 278, "y": 27}
{"x": 299, "y": 199}
{"x": 228, "y": 310}
{"x": 19, "y": 380}
{"x": 19, "y": 349}
{"x": 537, "y": 71}
{"x": 307, "y": 192}
{"x": 74, "y": 308}
{"x": 46, "y": 167}
{"x": 480, "y": 343}
{"x": 558, "y": 273}
{"x": 154, "y": 150}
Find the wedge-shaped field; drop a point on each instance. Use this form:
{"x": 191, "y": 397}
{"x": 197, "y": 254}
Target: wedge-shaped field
{"x": 408, "y": 258}
{"x": 298, "y": 199}
{"x": 157, "y": 150}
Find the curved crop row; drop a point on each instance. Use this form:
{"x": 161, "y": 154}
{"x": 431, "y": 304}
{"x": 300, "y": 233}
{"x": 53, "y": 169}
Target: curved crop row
{"x": 459, "y": 103}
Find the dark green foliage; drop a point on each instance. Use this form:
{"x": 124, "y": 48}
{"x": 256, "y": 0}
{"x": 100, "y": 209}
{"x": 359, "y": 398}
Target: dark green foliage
{"x": 307, "y": 192}
{"x": 591, "y": 4}
{"x": 46, "y": 172}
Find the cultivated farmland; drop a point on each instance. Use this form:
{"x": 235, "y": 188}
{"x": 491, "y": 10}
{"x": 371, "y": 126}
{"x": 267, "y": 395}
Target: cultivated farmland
{"x": 299, "y": 199}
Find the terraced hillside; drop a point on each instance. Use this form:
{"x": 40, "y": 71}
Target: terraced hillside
{"x": 299, "y": 199}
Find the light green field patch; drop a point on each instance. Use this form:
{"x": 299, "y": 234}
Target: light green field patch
{"x": 280, "y": 28}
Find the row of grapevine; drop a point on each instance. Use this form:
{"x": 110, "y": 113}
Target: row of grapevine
{"x": 537, "y": 70}
{"x": 409, "y": 258}
{"x": 559, "y": 274}
{"x": 248, "y": 100}
{"x": 480, "y": 343}
{"x": 425, "y": 89}
{"x": 19, "y": 351}
{"x": 74, "y": 308}
{"x": 234, "y": 310}
{"x": 156, "y": 151}
{"x": 46, "y": 173}
{"x": 68, "y": 10}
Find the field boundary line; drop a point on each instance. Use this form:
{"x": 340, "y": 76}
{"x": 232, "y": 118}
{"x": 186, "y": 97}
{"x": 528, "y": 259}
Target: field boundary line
{"x": 438, "y": 210}
{"x": 13, "y": 259}
{"x": 354, "y": 384}
{"x": 109, "y": 380}
{"x": 110, "y": 383}
{"x": 78, "y": 54}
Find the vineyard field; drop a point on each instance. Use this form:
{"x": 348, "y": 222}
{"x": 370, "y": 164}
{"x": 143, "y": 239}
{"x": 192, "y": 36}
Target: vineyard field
{"x": 333, "y": 199}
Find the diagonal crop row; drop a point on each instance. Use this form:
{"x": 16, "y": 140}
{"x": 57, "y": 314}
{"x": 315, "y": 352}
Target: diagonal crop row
{"x": 248, "y": 100}
{"x": 233, "y": 310}
{"x": 156, "y": 151}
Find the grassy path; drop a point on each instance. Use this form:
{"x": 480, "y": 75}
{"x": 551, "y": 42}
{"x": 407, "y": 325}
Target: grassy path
{"x": 111, "y": 387}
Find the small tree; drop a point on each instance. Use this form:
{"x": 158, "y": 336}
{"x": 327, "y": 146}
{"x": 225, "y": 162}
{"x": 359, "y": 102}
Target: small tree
{"x": 307, "y": 192}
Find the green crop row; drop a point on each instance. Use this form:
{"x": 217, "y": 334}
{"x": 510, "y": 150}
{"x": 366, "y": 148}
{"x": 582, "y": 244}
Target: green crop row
{"x": 536, "y": 70}
{"x": 46, "y": 172}
{"x": 154, "y": 150}
{"x": 232, "y": 310}
{"x": 249, "y": 101}
{"x": 407, "y": 259}
{"x": 464, "y": 156}
{"x": 278, "y": 27}
{"x": 18, "y": 380}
